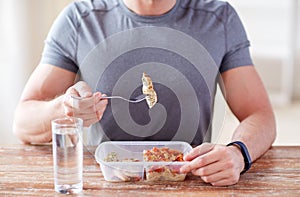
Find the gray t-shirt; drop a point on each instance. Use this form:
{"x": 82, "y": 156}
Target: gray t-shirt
{"x": 183, "y": 51}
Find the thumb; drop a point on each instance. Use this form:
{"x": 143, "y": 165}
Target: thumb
{"x": 83, "y": 89}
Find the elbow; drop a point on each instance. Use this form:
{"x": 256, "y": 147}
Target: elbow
{"x": 274, "y": 130}
{"x": 272, "y": 127}
{"x": 31, "y": 137}
{"x": 26, "y": 137}
{"x": 29, "y": 134}
{"x": 17, "y": 129}
{"x": 19, "y": 134}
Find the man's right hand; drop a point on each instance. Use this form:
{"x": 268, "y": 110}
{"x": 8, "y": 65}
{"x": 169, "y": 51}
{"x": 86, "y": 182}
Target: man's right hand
{"x": 90, "y": 107}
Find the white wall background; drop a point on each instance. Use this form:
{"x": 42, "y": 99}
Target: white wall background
{"x": 273, "y": 27}
{"x": 24, "y": 26}
{"x": 25, "y": 23}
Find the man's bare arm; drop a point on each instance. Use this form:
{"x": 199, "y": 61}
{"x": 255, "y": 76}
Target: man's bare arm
{"x": 248, "y": 100}
{"x": 41, "y": 102}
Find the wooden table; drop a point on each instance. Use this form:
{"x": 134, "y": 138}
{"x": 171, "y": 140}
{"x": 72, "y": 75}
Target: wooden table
{"x": 27, "y": 170}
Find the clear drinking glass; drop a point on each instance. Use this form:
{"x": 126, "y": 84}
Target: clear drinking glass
{"x": 67, "y": 154}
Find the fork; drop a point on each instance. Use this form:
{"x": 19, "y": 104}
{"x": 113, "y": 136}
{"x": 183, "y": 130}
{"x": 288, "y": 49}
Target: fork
{"x": 134, "y": 100}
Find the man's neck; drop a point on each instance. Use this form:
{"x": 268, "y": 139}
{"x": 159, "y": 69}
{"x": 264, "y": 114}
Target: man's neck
{"x": 150, "y": 7}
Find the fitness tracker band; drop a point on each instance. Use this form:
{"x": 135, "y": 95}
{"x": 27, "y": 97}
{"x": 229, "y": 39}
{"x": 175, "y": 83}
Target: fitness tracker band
{"x": 245, "y": 153}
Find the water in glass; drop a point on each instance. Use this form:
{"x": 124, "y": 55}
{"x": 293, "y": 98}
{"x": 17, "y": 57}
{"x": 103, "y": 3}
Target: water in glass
{"x": 68, "y": 159}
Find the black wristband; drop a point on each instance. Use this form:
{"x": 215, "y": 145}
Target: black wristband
{"x": 245, "y": 153}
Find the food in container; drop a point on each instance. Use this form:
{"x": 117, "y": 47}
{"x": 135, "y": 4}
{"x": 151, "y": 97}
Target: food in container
{"x": 162, "y": 170}
{"x": 126, "y": 160}
{"x": 116, "y": 162}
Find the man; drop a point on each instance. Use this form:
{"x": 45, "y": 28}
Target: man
{"x": 186, "y": 46}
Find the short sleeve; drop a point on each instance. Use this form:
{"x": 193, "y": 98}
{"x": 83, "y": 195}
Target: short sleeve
{"x": 61, "y": 42}
{"x": 237, "y": 44}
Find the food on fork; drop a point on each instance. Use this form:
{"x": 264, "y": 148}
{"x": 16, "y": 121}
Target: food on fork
{"x": 148, "y": 90}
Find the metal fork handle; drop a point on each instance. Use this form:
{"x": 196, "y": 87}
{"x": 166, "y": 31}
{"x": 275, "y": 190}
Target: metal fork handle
{"x": 135, "y": 100}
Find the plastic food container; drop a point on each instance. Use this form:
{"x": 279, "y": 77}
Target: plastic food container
{"x": 123, "y": 161}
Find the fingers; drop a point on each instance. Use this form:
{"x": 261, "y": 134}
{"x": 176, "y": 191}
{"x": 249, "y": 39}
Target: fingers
{"x": 90, "y": 107}
{"x": 83, "y": 89}
{"x": 80, "y": 104}
{"x": 84, "y": 104}
{"x": 198, "y": 151}
{"x": 208, "y": 169}
{"x": 222, "y": 178}
{"x": 200, "y": 156}
{"x": 97, "y": 113}
{"x": 100, "y": 107}
{"x": 90, "y": 110}
{"x": 226, "y": 182}
{"x": 215, "y": 164}
{"x": 214, "y": 168}
{"x": 89, "y": 115}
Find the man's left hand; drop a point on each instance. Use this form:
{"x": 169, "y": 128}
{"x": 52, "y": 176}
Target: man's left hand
{"x": 218, "y": 165}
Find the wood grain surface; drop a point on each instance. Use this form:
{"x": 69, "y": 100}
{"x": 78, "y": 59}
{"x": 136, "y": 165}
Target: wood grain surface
{"x": 27, "y": 170}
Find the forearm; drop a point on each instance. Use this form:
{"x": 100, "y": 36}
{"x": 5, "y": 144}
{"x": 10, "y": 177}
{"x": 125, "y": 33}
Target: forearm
{"x": 32, "y": 122}
{"x": 258, "y": 132}
{"x": 249, "y": 102}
